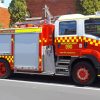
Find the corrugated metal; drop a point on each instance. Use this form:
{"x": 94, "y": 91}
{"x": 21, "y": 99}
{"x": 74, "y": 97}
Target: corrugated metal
{"x": 27, "y": 51}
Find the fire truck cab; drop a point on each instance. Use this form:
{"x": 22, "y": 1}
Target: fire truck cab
{"x": 70, "y": 47}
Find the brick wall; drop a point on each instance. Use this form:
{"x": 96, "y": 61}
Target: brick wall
{"x": 4, "y": 17}
{"x": 56, "y": 7}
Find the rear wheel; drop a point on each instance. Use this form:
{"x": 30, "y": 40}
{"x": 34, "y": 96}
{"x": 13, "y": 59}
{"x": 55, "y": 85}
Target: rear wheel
{"x": 4, "y": 69}
{"x": 83, "y": 73}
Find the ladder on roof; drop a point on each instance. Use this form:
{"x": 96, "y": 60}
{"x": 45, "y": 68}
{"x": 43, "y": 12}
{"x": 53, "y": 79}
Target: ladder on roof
{"x": 47, "y": 14}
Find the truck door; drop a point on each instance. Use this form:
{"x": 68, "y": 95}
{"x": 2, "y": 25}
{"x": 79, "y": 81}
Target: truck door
{"x": 92, "y": 36}
{"x": 66, "y": 42}
{"x": 26, "y": 51}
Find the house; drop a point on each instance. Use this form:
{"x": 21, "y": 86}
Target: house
{"x": 56, "y": 7}
{"x": 4, "y": 16}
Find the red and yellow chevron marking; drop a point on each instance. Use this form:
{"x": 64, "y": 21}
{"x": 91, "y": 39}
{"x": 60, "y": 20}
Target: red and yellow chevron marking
{"x": 77, "y": 39}
{"x": 10, "y": 59}
{"x": 44, "y": 40}
{"x": 92, "y": 41}
{"x": 67, "y": 39}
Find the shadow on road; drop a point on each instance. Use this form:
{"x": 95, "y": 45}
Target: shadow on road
{"x": 42, "y": 78}
{"x": 49, "y": 79}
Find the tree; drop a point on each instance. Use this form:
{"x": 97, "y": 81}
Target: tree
{"x": 90, "y": 6}
{"x": 17, "y": 10}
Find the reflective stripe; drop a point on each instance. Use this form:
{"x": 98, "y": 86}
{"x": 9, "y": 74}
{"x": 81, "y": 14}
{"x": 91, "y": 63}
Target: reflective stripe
{"x": 29, "y": 30}
{"x": 10, "y": 59}
{"x": 67, "y": 39}
{"x": 77, "y": 39}
{"x": 21, "y": 30}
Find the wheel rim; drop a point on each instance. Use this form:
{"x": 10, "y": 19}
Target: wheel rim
{"x": 83, "y": 74}
{"x": 2, "y": 69}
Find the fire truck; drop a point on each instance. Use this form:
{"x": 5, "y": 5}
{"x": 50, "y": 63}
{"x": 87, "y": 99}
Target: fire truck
{"x": 69, "y": 47}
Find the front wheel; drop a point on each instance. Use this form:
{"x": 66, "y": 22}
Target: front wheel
{"x": 83, "y": 73}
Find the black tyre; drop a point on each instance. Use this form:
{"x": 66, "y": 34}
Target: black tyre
{"x": 4, "y": 69}
{"x": 83, "y": 73}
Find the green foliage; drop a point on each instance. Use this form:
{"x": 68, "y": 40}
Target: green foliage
{"x": 90, "y": 6}
{"x": 17, "y": 10}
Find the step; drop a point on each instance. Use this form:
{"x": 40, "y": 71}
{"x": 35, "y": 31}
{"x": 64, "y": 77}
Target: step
{"x": 61, "y": 67}
{"x": 63, "y": 60}
{"x": 62, "y": 63}
{"x": 62, "y": 70}
{"x": 62, "y": 74}
{"x": 66, "y": 72}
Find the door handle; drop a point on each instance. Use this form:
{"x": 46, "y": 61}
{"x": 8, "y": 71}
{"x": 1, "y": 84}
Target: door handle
{"x": 58, "y": 45}
{"x": 85, "y": 44}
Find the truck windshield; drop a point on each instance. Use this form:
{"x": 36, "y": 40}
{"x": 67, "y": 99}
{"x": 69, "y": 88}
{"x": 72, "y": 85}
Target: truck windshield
{"x": 92, "y": 27}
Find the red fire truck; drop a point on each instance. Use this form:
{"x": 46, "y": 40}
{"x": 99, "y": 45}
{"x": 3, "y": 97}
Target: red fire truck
{"x": 70, "y": 47}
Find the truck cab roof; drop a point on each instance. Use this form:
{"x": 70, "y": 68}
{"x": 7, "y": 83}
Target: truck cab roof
{"x": 77, "y": 16}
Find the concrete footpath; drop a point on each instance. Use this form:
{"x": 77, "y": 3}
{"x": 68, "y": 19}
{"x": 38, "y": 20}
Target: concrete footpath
{"x": 21, "y": 90}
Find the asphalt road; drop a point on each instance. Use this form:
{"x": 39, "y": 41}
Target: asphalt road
{"x": 25, "y": 90}
{"x": 35, "y": 87}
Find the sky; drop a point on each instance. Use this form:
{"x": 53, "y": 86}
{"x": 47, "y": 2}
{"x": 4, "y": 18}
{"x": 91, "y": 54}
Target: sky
{"x": 7, "y": 2}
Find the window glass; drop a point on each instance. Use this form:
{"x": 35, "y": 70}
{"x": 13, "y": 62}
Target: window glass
{"x": 92, "y": 27}
{"x": 67, "y": 28}
{"x": 5, "y": 44}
